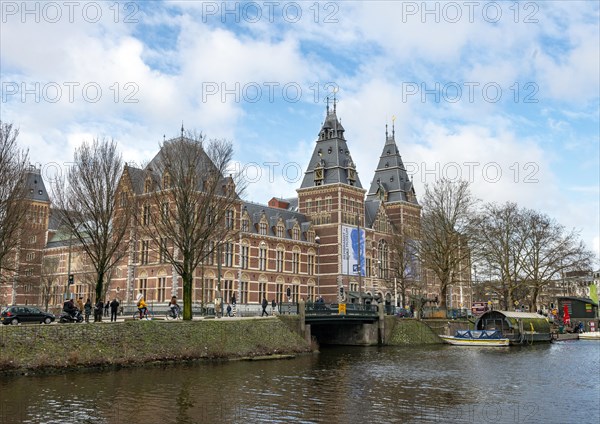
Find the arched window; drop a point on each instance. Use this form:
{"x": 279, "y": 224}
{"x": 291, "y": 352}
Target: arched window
{"x": 262, "y": 256}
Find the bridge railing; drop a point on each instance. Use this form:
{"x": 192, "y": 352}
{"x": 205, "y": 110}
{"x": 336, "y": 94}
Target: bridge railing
{"x": 333, "y": 309}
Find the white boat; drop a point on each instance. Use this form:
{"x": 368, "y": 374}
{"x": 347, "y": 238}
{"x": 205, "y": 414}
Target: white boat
{"x": 476, "y": 338}
{"x": 590, "y": 335}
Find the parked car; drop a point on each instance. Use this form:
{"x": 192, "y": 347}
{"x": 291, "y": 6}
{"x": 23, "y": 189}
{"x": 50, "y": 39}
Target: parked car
{"x": 17, "y": 314}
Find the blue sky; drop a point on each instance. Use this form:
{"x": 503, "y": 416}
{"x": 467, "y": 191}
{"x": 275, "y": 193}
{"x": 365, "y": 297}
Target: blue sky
{"x": 505, "y": 94}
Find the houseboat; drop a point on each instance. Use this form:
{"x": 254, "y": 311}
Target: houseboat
{"x": 518, "y": 327}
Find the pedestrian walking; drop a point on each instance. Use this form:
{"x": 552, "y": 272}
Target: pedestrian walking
{"x": 88, "y": 309}
{"x": 228, "y": 310}
{"x": 106, "y": 306}
{"x": 273, "y": 306}
{"x": 114, "y": 308}
{"x": 264, "y": 307}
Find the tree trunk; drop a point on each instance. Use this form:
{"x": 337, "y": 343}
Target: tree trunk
{"x": 99, "y": 286}
{"x": 443, "y": 293}
{"x": 188, "y": 279}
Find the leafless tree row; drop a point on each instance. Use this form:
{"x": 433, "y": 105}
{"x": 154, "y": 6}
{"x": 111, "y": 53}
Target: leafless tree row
{"x": 519, "y": 250}
{"x": 13, "y": 210}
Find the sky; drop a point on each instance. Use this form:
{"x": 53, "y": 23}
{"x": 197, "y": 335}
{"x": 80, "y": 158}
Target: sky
{"x": 502, "y": 94}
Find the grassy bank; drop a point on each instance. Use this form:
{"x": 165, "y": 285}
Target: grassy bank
{"x": 55, "y": 347}
{"x": 403, "y": 332}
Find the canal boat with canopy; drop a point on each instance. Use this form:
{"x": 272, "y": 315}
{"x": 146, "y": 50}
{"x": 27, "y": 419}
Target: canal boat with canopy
{"x": 590, "y": 335}
{"x": 517, "y": 327}
{"x": 476, "y": 338}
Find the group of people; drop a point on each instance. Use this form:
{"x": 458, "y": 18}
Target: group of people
{"x": 72, "y": 309}
{"x": 142, "y": 306}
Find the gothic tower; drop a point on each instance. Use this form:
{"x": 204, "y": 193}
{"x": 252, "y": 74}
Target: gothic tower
{"x": 332, "y": 197}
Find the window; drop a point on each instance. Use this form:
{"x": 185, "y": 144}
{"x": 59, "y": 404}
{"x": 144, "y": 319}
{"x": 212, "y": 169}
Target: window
{"x": 311, "y": 263}
{"x": 163, "y": 250}
{"x": 296, "y": 233}
{"x": 262, "y": 291}
{"x": 162, "y": 289}
{"x": 164, "y": 211}
{"x": 166, "y": 181}
{"x": 210, "y": 255}
{"x": 146, "y": 215}
{"x": 295, "y": 293}
{"x": 262, "y": 257}
{"x": 145, "y": 251}
{"x": 229, "y": 219}
{"x": 244, "y": 292}
{"x": 245, "y": 254}
{"x": 148, "y": 185}
{"x": 228, "y": 254}
{"x": 368, "y": 265}
{"x": 143, "y": 287}
{"x": 383, "y": 259}
{"x": 123, "y": 199}
{"x": 311, "y": 293}
{"x": 279, "y": 259}
{"x": 280, "y": 230}
{"x": 262, "y": 228}
{"x": 30, "y": 256}
{"x": 279, "y": 294}
{"x": 245, "y": 225}
{"x": 296, "y": 261}
{"x": 208, "y": 290}
{"x": 32, "y": 239}
{"x": 227, "y": 290}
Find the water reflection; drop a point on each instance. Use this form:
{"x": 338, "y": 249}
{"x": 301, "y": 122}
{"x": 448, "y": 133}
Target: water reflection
{"x": 381, "y": 385}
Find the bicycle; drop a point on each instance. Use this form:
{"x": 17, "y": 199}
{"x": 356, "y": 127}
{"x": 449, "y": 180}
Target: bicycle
{"x": 169, "y": 314}
{"x": 148, "y": 315}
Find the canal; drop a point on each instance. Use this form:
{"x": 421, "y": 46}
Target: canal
{"x": 553, "y": 383}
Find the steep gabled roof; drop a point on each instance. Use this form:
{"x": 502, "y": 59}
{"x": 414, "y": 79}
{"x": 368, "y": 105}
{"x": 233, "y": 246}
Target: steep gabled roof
{"x": 391, "y": 182}
{"x": 331, "y": 155}
{"x": 36, "y": 190}
{"x": 273, "y": 215}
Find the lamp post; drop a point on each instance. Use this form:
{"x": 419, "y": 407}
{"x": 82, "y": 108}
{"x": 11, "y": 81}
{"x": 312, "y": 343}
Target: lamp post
{"x": 318, "y": 241}
{"x": 360, "y": 299}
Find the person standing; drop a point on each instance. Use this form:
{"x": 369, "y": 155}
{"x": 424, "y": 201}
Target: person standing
{"x": 88, "y": 310}
{"x": 114, "y": 308}
{"x": 273, "y": 306}
{"x": 228, "y": 310}
{"x": 106, "y": 306}
{"x": 264, "y": 307}
{"x": 80, "y": 303}
{"x": 98, "y": 311}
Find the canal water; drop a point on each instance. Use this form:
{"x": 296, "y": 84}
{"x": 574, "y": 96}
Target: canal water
{"x": 550, "y": 383}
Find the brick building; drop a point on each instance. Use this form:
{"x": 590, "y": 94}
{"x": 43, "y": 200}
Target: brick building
{"x": 335, "y": 236}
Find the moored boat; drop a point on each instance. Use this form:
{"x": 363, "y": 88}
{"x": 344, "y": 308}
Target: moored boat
{"x": 590, "y": 335}
{"x": 477, "y": 338}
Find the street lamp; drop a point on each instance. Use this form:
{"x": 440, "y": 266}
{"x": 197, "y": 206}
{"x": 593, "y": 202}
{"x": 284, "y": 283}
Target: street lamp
{"x": 318, "y": 241}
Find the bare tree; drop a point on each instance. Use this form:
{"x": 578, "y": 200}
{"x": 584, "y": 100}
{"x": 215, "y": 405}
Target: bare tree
{"x": 405, "y": 264}
{"x": 13, "y": 210}
{"x": 551, "y": 251}
{"x": 48, "y": 279}
{"x": 86, "y": 199}
{"x": 188, "y": 213}
{"x": 445, "y": 230}
{"x": 500, "y": 236}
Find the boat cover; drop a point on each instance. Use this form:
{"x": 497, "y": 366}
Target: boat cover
{"x": 478, "y": 334}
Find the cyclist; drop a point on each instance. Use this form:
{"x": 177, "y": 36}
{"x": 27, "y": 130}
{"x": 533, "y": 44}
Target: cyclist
{"x": 174, "y": 306}
{"x": 142, "y": 308}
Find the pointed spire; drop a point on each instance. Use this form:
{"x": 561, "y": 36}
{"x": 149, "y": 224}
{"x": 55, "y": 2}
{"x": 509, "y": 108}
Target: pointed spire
{"x": 327, "y": 105}
{"x": 386, "y": 131}
{"x": 164, "y": 138}
{"x": 182, "y": 129}
{"x": 394, "y": 127}
{"x": 334, "y": 100}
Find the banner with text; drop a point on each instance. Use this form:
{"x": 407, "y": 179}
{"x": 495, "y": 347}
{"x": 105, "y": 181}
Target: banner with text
{"x": 351, "y": 242}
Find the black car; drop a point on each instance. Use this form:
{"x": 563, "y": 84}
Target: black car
{"x": 17, "y": 314}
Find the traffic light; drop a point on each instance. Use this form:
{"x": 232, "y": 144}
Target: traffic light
{"x": 71, "y": 279}
{"x": 341, "y": 292}
{"x": 289, "y": 292}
